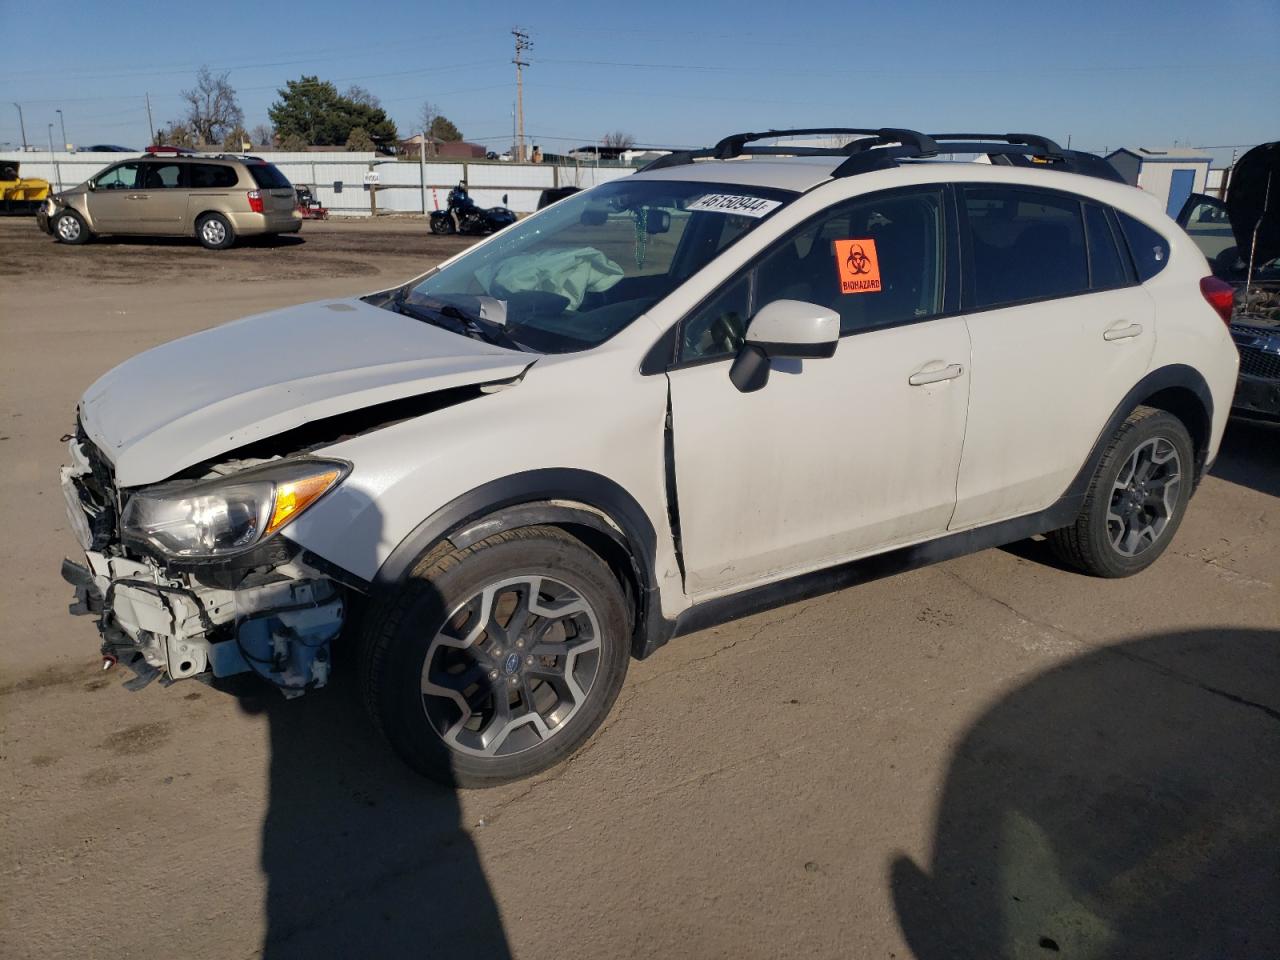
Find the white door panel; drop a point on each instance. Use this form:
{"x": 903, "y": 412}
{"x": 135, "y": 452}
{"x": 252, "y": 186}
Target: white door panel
{"x": 1046, "y": 377}
{"x": 832, "y": 459}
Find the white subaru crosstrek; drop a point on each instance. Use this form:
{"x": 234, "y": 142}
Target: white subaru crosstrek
{"x": 741, "y": 376}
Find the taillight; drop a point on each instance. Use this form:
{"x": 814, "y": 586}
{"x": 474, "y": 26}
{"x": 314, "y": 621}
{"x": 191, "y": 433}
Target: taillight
{"x": 1220, "y": 295}
{"x": 255, "y": 204}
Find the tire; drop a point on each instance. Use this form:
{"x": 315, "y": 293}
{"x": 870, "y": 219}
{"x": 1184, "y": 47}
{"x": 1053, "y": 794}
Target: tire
{"x": 1136, "y": 500}
{"x": 69, "y": 227}
{"x": 436, "y": 657}
{"x": 441, "y": 225}
{"x": 215, "y": 232}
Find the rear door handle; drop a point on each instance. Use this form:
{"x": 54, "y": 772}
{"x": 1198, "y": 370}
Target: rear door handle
{"x": 138, "y": 196}
{"x": 949, "y": 372}
{"x": 1122, "y": 333}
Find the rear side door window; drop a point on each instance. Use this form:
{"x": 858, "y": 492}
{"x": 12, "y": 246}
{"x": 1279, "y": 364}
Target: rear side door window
{"x": 212, "y": 176}
{"x": 161, "y": 176}
{"x": 1023, "y": 245}
{"x": 1107, "y": 268}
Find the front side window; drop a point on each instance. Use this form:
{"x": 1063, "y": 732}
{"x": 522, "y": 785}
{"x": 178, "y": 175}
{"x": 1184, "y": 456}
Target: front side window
{"x": 1023, "y": 245}
{"x": 876, "y": 260}
{"x": 585, "y": 268}
{"x": 123, "y": 177}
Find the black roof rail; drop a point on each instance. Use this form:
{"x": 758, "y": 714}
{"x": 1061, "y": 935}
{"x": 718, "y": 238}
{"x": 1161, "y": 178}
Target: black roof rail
{"x": 881, "y": 148}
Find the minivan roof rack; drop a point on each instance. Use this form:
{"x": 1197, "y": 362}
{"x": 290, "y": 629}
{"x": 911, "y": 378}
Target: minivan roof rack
{"x": 881, "y": 148}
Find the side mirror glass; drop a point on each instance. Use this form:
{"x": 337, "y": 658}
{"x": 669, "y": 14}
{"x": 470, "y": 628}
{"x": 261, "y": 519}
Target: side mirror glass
{"x": 783, "y": 328}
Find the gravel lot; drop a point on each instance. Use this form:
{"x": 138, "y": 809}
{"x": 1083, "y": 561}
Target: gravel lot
{"x": 990, "y": 757}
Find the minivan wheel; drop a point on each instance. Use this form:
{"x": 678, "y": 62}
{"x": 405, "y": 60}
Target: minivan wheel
{"x": 215, "y": 232}
{"x": 1136, "y": 500}
{"x": 69, "y": 227}
{"x": 496, "y": 661}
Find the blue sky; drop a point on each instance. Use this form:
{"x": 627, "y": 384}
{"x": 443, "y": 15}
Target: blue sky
{"x": 1105, "y": 74}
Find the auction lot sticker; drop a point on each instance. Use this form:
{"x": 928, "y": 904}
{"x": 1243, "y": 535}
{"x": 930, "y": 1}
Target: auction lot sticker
{"x": 733, "y": 203}
{"x": 859, "y": 266}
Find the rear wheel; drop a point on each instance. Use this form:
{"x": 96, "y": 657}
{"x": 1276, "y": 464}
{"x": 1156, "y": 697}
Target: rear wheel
{"x": 1136, "y": 500}
{"x": 497, "y": 661}
{"x": 69, "y": 227}
{"x": 215, "y": 232}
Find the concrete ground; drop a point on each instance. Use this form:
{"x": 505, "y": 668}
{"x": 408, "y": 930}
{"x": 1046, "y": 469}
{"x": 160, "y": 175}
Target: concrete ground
{"x": 992, "y": 757}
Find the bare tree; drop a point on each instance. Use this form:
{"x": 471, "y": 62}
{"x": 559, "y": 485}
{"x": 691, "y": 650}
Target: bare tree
{"x": 426, "y": 120}
{"x": 177, "y": 134}
{"x": 262, "y": 135}
{"x": 618, "y": 139}
{"x": 360, "y": 95}
{"x": 212, "y": 111}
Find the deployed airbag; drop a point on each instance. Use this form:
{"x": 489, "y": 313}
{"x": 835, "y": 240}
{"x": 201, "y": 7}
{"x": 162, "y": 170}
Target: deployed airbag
{"x": 571, "y": 273}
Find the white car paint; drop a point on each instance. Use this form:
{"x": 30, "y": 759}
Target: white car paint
{"x": 835, "y": 459}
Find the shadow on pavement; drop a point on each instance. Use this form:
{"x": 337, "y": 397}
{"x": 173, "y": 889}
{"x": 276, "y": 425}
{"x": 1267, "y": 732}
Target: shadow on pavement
{"x": 1124, "y": 805}
{"x": 1250, "y": 456}
{"x": 363, "y": 857}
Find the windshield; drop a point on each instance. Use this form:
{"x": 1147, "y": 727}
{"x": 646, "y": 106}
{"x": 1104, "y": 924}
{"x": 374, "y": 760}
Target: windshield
{"x": 585, "y": 268}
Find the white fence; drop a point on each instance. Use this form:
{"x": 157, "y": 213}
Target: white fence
{"x": 338, "y": 178}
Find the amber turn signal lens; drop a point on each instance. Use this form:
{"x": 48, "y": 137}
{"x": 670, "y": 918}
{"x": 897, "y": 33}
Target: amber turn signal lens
{"x": 294, "y": 496}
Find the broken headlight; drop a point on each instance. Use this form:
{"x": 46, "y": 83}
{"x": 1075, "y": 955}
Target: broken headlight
{"x": 221, "y": 517}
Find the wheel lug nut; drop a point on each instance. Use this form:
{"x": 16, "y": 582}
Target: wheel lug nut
{"x": 528, "y": 661}
{"x": 520, "y": 643}
{"x": 493, "y": 674}
{"x": 514, "y": 680}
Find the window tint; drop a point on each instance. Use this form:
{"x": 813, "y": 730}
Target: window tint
{"x": 158, "y": 176}
{"x": 209, "y": 175}
{"x": 1106, "y": 268}
{"x": 1149, "y": 250}
{"x": 268, "y": 176}
{"x": 1024, "y": 245}
{"x": 717, "y": 328}
{"x": 123, "y": 177}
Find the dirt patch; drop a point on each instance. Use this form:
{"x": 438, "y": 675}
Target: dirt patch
{"x": 138, "y": 739}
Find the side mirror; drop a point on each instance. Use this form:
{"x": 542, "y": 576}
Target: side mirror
{"x": 783, "y": 328}
{"x": 91, "y": 185}
{"x": 504, "y": 199}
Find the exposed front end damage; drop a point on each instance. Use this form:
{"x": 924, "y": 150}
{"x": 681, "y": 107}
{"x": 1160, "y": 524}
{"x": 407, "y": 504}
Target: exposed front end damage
{"x": 268, "y": 611}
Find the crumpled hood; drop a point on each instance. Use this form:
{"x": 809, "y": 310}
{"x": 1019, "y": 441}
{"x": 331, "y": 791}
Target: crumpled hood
{"x": 196, "y": 398}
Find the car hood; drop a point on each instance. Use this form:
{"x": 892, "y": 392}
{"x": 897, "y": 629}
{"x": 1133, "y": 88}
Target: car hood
{"x": 199, "y": 397}
{"x": 1253, "y": 202}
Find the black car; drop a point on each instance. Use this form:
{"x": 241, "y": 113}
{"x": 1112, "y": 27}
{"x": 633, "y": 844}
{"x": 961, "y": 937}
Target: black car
{"x": 1240, "y": 236}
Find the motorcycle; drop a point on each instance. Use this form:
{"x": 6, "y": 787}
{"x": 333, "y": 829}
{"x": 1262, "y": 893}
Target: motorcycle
{"x": 463, "y": 216}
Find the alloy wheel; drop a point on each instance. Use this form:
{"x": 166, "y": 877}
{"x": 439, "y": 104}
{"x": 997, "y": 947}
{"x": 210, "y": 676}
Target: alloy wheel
{"x": 511, "y": 666}
{"x": 68, "y": 228}
{"x": 213, "y": 231}
{"x": 1144, "y": 497}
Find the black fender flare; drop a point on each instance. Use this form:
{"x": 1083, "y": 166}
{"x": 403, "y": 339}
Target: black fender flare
{"x": 555, "y": 496}
{"x": 1176, "y": 375}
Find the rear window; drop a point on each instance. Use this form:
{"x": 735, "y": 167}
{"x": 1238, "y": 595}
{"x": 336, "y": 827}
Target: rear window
{"x": 268, "y": 176}
{"x": 1150, "y": 251}
{"x": 1106, "y": 266}
{"x": 1024, "y": 245}
{"x": 206, "y": 176}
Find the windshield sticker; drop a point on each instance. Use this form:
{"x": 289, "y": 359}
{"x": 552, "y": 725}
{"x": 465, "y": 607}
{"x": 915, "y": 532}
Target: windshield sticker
{"x": 859, "y": 266}
{"x": 732, "y": 203}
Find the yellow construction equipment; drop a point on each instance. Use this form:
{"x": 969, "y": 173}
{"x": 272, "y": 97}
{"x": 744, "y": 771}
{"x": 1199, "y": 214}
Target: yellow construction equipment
{"x": 20, "y": 195}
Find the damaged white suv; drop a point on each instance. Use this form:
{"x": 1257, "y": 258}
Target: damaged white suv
{"x": 742, "y": 376}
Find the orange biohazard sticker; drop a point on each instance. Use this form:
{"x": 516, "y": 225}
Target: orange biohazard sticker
{"x": 859, "y": 266}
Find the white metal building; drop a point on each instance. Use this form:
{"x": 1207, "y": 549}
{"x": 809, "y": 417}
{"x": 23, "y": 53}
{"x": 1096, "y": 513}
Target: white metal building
{"x": 1169, "y": 174}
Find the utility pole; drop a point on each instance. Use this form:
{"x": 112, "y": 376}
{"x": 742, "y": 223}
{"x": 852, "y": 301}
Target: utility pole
{"x": 62, "y": 122}
{"x": 523, "y": 44}
{"x": 57, "y": 173}
{"x": 22, "y": 126}
{"x": 150, "y": 126}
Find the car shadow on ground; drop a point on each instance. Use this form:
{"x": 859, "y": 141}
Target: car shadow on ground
{"x": 266, "y": 240}
{"x": 1250, "y": 456}
{"x": 1125, "y": 804}
{"x": 363, "y": 857}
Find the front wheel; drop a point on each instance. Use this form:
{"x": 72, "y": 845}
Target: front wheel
{"x": 1136, "y": 500}
{"x": 441, "y": 225}
{"x": 497, "y": 661}
{"x": 69, "y": 227}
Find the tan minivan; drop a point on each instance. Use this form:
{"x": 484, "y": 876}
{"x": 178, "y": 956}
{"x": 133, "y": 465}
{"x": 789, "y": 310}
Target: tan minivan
{"x": 215, "y": 198}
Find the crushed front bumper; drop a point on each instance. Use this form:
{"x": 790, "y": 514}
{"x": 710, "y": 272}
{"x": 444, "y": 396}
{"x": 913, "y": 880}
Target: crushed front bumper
{"x": 277, "y": 622}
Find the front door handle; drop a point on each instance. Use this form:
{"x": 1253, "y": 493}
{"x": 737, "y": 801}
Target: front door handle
{"x": 1122, "y": 333}
{"x": 949, "y": 372}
